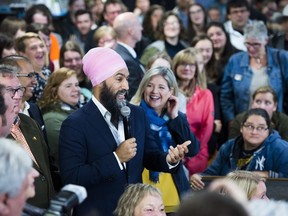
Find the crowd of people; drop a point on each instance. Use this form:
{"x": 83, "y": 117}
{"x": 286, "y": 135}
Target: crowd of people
{"x": 137, "y": 102}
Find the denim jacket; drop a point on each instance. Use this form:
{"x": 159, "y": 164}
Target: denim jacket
{"x": 235, "y": 90}
{"x": 272, "y": 156}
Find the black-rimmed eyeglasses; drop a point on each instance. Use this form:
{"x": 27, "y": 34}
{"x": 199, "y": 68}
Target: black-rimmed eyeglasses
{"x": 19, "y": 90}
{"x": 29, "y": 75}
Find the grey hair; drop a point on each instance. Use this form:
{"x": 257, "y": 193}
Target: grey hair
{"x": 15, "y": 164}
{"x": 165, "y": 72}
{"x": 9, "y": 67}
{"x": 264, "y": 208}
{"x": 133, "y": 195}
{"x": 256, "y": 30}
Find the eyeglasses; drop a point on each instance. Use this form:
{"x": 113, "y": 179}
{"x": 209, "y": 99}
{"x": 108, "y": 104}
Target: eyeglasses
{"x": 29, "y": 75}
{"x": 254, "y": 45}
{"x": 187, "y": 65}
{"x": 251, "y": 128}
{"x": 13, "y": 91}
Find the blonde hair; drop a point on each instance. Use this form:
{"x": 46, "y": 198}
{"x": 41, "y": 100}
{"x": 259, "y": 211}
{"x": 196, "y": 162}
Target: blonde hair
{"x": 165, "y": 72}
{"x": 246, "y": 180}
{"x": 20, "y": 45}
{"x": 189, "y": 56}
{"x": 133, "y": 195}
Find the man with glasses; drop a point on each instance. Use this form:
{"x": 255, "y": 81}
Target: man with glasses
{"x": 28, "y": 133}
{"x": 238, "y": 16}
{"x": 27, "y": 78}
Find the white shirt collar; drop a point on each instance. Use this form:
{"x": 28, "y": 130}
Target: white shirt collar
{"x": 130, "y": 49}
{"x": 26, "y": 108}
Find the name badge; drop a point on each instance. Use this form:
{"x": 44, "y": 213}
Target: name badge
{"x": 238, "y": 77}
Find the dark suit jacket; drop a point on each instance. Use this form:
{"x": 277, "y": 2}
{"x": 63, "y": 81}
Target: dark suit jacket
{"x": 135, "y": 71}
{"x": 43, "y": 184}
{"x": 87, "y": 159}
{"x": 36, "y": 114}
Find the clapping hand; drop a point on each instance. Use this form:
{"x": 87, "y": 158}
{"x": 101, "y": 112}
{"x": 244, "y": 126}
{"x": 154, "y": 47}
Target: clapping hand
{"x": 177, "y": 154}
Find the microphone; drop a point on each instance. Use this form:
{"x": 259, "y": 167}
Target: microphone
{"x": 125, "y": 112}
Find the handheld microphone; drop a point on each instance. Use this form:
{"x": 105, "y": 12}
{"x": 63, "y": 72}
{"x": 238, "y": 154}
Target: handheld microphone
{"x": 125, "y": 112}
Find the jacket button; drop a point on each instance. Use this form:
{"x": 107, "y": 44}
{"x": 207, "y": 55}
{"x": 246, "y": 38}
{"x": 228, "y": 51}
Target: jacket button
{"x": 43, "y": 178}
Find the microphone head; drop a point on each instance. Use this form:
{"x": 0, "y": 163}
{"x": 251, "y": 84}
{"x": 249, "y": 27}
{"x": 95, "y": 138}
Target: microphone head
{"x": 80, "y": 191}
{"x": 125, "y": 111}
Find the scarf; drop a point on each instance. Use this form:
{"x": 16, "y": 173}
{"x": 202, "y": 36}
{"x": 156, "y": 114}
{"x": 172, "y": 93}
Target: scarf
{"x": 158, "y": 124}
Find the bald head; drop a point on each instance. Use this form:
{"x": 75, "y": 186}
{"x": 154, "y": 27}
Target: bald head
{"x": 128, "y": 28}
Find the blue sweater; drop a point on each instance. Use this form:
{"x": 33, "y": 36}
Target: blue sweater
{"x": 272, "y": 156}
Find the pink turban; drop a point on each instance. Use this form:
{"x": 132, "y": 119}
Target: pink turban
{"x": 101, "y": 63}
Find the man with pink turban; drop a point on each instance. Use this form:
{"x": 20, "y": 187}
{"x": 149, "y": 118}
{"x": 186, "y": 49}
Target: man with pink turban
{"x": 94, "y": 151}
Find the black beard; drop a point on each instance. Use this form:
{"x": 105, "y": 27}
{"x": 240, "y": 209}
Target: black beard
{"x": 110, "y": 102}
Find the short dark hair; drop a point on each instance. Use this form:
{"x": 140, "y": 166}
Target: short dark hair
{"x": 236, "y": 4}
{"x": 82, "y": 12}
{"x": 258, "y": 112}
{"x": 3, "y": 106}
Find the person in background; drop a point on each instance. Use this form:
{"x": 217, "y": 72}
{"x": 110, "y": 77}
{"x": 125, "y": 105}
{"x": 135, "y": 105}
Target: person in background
{"x": 28, "y": 133}
{"x": 182, "y": 11}
{"x": 27, "y": 79}
{"x": 44, "y": 33}
{"x": 139, "y": 200}
{"x": 129, "y": 32}
{"x": 60, "y": 98}
{"x": 105, "y": 36}
{"x": 112, "y": 8}
{"x": 33, "y": 47}
{"x": 93, "y": 138}
{"x": 258, "y": 149}
{"x": 96, "y": 8}
{"x": 16, "y": 177}
{"x": 13, "y": 26}
{"x": 252, "y": 184}
{"x": 151, "y": 21}
{"x": 6, "y": 45}
{"x": 71, "y": 57}
{"x": 222, "y": 50}
{"x": 157, "y": 95}
{"x": 69, "y": 20}
{"x": 259, "y": 66}
{"x": 264, "y": 98}
{"x": 40, "y": 14}
{"x": 141, "y": 8}
{"x": 170, "y": 37}
{"x": 214, "y": 14}
{"x": 204, "y": 47}
{"x": 238, "y": 13}
{"x": 199, "y": 105}
{"x": 197, "y": 21}
{"x": 84, "y": 35}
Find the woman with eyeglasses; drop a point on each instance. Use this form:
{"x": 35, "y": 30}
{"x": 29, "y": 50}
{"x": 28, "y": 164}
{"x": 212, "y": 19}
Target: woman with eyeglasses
{"x": 199, "y": 105}
{"x": 259, "y": 149}
{"x": 247, "y": 71}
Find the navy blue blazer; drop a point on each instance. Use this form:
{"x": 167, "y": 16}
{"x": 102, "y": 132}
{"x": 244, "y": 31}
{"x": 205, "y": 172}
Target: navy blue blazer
{"x": 86, "y": 149}
{"x": 136, "y": 73}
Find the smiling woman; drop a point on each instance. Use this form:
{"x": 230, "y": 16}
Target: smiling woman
{"x": 60, "y": 98}
{"x": 157, "y": 95}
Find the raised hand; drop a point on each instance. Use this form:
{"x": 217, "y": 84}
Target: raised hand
{"x": 176, "y": 154}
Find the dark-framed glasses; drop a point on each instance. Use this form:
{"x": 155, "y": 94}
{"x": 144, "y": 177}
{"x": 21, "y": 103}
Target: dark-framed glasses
{"x": 29, "y": 75}
{"x": 251, "y": 128}
{"x": 19, "y": 90}
{"x": 254, "y": 45}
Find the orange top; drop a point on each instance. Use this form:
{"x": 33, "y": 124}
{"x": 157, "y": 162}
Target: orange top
{"x": 55, "y": 48}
